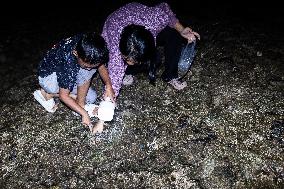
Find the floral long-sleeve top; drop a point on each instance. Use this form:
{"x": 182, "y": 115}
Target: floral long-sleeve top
{"x": 155, "y": 19}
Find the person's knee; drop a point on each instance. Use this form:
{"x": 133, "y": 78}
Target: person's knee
{"x": 91, "y": 96}
{"x": 49, "y": 84}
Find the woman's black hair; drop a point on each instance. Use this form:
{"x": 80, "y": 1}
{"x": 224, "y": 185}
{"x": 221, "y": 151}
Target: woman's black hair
{"x": 137, "y": 43}
{"x": 92, "y": 49}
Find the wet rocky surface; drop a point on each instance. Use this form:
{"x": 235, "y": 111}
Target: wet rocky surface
{"x": 225, "y": 130}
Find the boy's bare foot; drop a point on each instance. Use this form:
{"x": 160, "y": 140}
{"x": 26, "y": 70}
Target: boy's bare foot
{"x": 98, "y": 127}
{"x": 46, "y": 95}
{"x": 73, "y": 96}
{"x": 55, "y": 106}
{"x": 46, "y": 100}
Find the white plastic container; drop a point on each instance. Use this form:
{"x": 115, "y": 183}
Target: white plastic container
{"x": 106, "y": 110}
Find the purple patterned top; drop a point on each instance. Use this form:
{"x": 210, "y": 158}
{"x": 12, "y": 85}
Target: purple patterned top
{"x": 153, "y": 18}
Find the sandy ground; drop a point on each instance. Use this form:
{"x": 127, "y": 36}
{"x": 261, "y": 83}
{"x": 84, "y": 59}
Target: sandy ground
{"x": 225, "y": 130}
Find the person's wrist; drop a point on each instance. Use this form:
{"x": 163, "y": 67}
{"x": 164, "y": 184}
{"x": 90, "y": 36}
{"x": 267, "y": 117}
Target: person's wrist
{"x": 84, "y": 113}
{"x": 181, "y": 29}
{"x": 108, "y": 86}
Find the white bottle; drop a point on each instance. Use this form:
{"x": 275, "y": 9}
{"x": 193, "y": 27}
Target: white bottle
{"x": 106, "y": 110}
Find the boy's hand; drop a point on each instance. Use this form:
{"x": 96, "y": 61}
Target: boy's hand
{"x": 86, "y": 120}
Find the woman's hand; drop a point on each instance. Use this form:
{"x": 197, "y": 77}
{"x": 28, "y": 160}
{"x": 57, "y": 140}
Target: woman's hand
{"x": 189, "y": 34}
{"x": 109, "y": 93}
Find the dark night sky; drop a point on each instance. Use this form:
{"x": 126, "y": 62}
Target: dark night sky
{"x": 45, "y": 12}
{"x": 199, "y": 8}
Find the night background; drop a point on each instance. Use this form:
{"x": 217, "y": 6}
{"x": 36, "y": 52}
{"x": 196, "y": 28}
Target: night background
{"x": 43, "y": 23}
{"x": 226, "y": 130}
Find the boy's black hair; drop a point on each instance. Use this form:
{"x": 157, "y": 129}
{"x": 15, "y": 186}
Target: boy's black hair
{"x": 92, "y": 49}
{"x": 137, "y": 43}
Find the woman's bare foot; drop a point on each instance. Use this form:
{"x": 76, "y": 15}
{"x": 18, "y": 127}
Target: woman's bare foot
{"x": 98, "y": 127}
